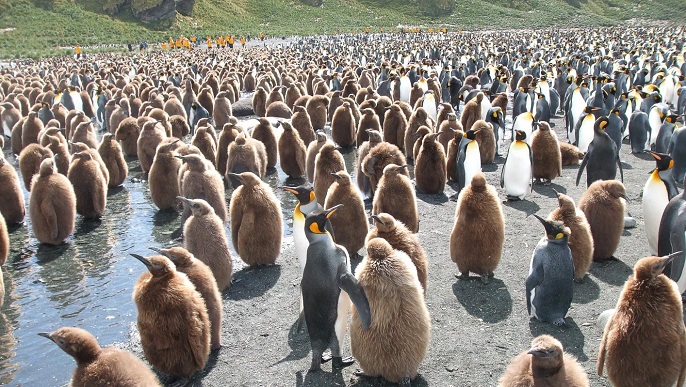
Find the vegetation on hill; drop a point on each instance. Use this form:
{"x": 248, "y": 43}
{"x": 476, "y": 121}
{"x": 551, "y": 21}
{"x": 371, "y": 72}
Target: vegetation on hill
{"x": 37, "y": 27}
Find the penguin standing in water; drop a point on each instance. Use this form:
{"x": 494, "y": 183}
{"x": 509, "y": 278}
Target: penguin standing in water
{"x": 326, "y": 308}
{"x": 550, "y": 284}
{"x": 602, "y": 158}
{"x": 657, "y": 192}
{"x": 468, "y": 159}
{"x": 517, "y": 174}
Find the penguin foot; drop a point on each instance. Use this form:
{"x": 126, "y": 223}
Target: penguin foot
{"x": 579, "y": 280}
{"x": 560, "y": 322}
{"x": 513, "y": 198}
{"x": 462, "y": 276}
{"x": 342, "y": 362}
{"x": 405, "y": 382}
{"x": 546, "y": 182}
{"x": 485, "y": 279}
{"x": 361, "y": 374}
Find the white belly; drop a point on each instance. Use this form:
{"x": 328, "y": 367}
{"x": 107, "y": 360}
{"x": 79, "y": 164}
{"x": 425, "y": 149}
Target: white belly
{"x": 517, "y": 174}
{"x": 405, "y": 86}
{"x": 301, "y": 243}
{"x": 430, "y": 106}
{"x": 655, "y": 124}
{"x": 655, "y": 199}
{"x": 472, "y": 162}
{"x": 681, "y": 283}
{"x": 586, "y": 132}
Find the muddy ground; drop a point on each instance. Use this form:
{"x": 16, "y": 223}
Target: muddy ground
{"x": 476, "y": 329}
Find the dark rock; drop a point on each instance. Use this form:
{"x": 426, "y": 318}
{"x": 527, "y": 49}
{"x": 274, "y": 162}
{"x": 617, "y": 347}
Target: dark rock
{"x": 165, "y": 10}
{"x": 185, "y": 7}
{"x": 243, "y": 107}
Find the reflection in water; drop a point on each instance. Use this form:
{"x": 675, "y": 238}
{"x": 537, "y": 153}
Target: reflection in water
{"x": 88, "y": 281}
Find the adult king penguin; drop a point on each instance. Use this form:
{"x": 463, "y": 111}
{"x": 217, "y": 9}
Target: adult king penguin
{"x": 550, "y": 284}
{"x": 602, "y": 158}
{"x": 326, "y": 308}
{"x": 517, "y": 174}
{"x": 468, "y": 159}
{"x": 657, "y": 192}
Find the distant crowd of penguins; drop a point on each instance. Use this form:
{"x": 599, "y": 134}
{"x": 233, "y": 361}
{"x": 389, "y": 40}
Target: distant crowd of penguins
{"x": 437, "y": 100}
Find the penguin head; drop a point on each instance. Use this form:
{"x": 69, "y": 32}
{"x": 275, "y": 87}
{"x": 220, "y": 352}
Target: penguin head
{"x": 384, "y": 222}
{"x": 471, "y": 134}
{"x": 615, "y": 188}
{"x": 177, "y": 254}
{"x": 394, "y": 169}
{"x": 303, "y": 193}
{"x": 197, "y": 206}
{"x": 315, "y": 222}
{"x": 553, "y": 229}
{"x": 672, "y": 118}
{"x": 76, "y": 342}
{"x": 157, "y": 265}
{"x": 663, "y": 161}
{"x": 342, "y": 177}
{"x": 378, "y": 249}
{"x": 520, "y": 135}
{"x": 546, "y": 352}
{"x": 601, "y": 123}
{"x": 47, "y": 166}
{"x": 374, "y": 135}
{"x": 651, "y": 267}
{"x": 321, "y": 136}
{"x": 590, "y": 109}
{"x": 247, "y": 179}
{"x": 565, "y": 202}
{"x": 83, "y": 155}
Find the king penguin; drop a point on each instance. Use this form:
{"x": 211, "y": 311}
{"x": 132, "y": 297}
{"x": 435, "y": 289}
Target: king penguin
{"x": 657, "y": 192}
{"x": 326, "y": 308}
{"x": 517, "y": 174}
{"x": 550, "y": 284}
{"x": 468, "y": 159}
{"x": 672, "y": 238}
{"x": 525, "y": 123}
{"x": 602, "y": 158}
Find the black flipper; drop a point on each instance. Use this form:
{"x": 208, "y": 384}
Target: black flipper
{"x": 348, "y": 283}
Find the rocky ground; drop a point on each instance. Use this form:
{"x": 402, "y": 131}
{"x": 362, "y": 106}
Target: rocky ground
{"x": 476, "y": 329}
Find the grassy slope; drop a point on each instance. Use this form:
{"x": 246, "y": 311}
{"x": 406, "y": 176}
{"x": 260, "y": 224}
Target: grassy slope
{"x": 41, "y": 25}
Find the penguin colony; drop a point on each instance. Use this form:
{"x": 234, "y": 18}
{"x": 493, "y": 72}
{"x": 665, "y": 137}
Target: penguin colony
{"x": 395, "y": 101}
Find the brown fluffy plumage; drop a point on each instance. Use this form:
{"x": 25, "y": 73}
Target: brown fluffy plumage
{"x": 580, "y": 240}
{"x": 350, "y": 227}
{"x": 127, "y": 133}
{"x": 312, "y": 152}
{"x": 476, "y": 242}
{"x": 363, "y": 181}
{"x": 30, "y": 129}
{"x": 398, "y": 339}
{"x": 163, "y": 176}
{"x": 472, "y": 111}
{"x": 418, "y": 136}
{"x": 264, "y": 133}
{"x": 60, "y": 151}
{"x": 150, "y": 137}
{"x": 446, "y": 134}
{"x": 395, "y": 195}
{"x": 259, "y": 102}
{"x": 202, "y": 278}
{"x": 52, "y": 205}
{"x": 202, "y": 181}
{"x": 400, "y": 238}
{"x": 545, "y": 364}
{"x": 343, "y": 126}
{"x": 77, "y": 147}
{"x": 179, "y": 126}
{"x": 4, "y": 246}
{"x": 453, "y": 153}
{"x": 317, "y": 108}
{"x": 85, "y": 133}
{"x": 111, "y": 154}
{"x": 228, "y": 135}
{"x": 418, "y": 119}
{"x": 570, "y": 154}
{"x": 485, "y": 137}
{"x": 279, "y": 109}
{"x": 604, "y": 206}
{"x": 30, "y": 160}
{"x": 204, "y": 237}
{"x": 328, "y": 161}
{"x": 172, "y": 319}
{"x": 430, "y": 166}
{"x": 644, "y": 343}
{"x": 90, "y": 185}
{"x": 368, "y": 120}
{"x": 546, "y": 153}
{"x": 256, "y": 221}
{"x": 302, "y": 123}
{"x": 96, "y": 366}
{"x": 246, "y": 155}
{"x": 394, "y": 126}
{"x": 12, "y": 203}
{"x": 500, "y": 101}
{"x": 292, "y": 152}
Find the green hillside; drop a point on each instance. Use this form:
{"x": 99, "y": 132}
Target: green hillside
{"x": 37, "y": 27}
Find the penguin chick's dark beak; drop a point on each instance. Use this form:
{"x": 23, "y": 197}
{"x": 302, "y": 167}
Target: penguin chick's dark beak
{"x": 159, "y": 251}
{"x": 182, "y": 158}
{"x": 184, "y": 200}
{"x": 538, "y": 352}
{"x": 46, "y": 335}
{"x": 144, "y": 260}
{"x": 402, "y": 166}
{"x": 669, "y": 258}
{"x": 375, "y": 218}
{"x": 331, "y": 210}
{"x": 335, "y": 175}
